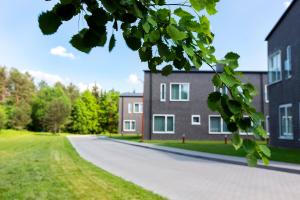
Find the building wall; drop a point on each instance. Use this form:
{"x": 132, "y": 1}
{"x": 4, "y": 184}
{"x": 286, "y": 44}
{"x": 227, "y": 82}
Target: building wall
{"x": 286, "y": 91}
{"x": 124, "y": 115}
{"x": 200, "y": 87}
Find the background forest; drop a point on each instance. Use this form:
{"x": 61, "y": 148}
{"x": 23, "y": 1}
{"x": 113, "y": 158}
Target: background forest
{"x": 58, "y": 108}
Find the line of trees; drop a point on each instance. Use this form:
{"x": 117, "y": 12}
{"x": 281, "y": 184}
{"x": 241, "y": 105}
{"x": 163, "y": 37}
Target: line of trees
{"x": 58, "y": 108}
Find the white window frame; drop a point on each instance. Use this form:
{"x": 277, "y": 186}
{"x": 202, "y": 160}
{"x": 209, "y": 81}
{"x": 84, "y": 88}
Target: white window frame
{"x": 288, "y": 63}
{"x": 140, "y": 107}
{"x": 217, "y": 133}
{"x": 196, "y": 123}
{"x": 166, "y": 124}
{"x": 281, "y": 136}
{"x": 130, "y": 122}
{"x": 266, "y": 93}
{"x": 129, "y": 108}
{"x": 180, "y": 98}
{"x": 221, "y": 90}
{"x": 163, "y": 92}
{"x": 280, "y": 67}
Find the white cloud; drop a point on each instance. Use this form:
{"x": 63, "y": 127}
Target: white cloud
{"x": 287, "y": 4}
{"x": 134, "y": 79}
{"x": 62, "y": 52}
{"x": 89, "y": 86}
{"x": 49, "y": 78}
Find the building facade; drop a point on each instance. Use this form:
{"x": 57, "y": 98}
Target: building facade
{"x": 284, "y": 78}
{"x": 131, "y": 113}
{"x": 177, "y": 104}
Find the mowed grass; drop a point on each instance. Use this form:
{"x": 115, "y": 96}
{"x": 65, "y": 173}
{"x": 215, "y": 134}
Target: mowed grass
{"x": 218, "y": 147}
{"x": 43, "y": 166}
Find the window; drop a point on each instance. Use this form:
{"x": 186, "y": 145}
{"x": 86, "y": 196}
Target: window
{"x": 129, "y": 125}
{"x": 138, "y": 108}
{"x": 275, "y": 67}
{"x": 288, "y": 63}
{"x": 196, "y": 120}
{"x": 163, "y": 92}
{"x": 217, "y": 125}
{"x": 222, "y": 90}
{"x": 285, "y": 121}
{"x": 163, "y": 123}
{"x": 129, "y": 108}
{"x": 266, "y": 94}
{"x": 267, "y": 124}
{"x": 179, "y": 91}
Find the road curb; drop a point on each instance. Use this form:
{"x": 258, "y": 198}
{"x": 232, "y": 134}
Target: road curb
{"x": 223, "y": 160}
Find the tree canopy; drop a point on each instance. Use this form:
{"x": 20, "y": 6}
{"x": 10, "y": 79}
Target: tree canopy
{"x": 168, "y": 36}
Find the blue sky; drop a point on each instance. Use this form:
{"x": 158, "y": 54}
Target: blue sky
{"x": 240, "y": 26}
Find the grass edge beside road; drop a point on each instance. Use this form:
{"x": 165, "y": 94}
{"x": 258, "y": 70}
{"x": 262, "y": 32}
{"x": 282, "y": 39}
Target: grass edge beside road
{"x": 46, "y": 166}
{"x": 217, "y": 147}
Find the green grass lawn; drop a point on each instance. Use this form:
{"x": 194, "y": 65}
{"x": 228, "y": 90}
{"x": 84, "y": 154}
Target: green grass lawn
{"x": 43, "y": 166}
{"x": 218, "y": 147}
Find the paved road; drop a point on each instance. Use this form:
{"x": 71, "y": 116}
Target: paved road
{"x": 184, "y": 178}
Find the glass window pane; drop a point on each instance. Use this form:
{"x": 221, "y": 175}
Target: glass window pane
{"x": 159, "y": 123}
{"x": 127, "y": 125}
{"x": 170, "y": 124}
{"x": 225, "y": 128}
{"x": 289, "y": 121}
{"x": 162, "y": 92}
{"x": 215, "y": 124}
{"x": 196, "y": 119}
{"x": 141, "y": 108}
{"x": 184, "y": 91}
{"x": 175, "y": 92}
{"x": 133, "y": 125}
{"x": 136, "y": 108}
{"x": 282, "y": 121}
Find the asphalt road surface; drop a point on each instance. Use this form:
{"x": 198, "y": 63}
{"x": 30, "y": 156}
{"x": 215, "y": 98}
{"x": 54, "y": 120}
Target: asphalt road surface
{"x": 184, "y": 178}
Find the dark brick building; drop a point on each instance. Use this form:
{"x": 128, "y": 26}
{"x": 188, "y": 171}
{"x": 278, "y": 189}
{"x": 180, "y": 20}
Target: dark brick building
{"x": 130, "y": 113}
{"x": 284, "y": 78}
{"x": 177, "y": 105}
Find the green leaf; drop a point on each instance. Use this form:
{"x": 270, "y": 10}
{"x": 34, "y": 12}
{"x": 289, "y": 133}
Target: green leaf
{"x": 176, "y": 34}
{"x": 228, "y": 80}
{"x": 213, "y": 100}
{"x": 163, "y": 50}
{"x": 232, "y": 127}
{"x": 249, "y": 146}
{"x": 78, "y": 42}
{"x": 65, "y": 11}
{"x": 132, "y": 42}
{"x": 163, "y": 14}
{"x": 251, "y": 160}
{"x": 167, "y": 70}
{"x": 112, "y": 42}
{"x": 151, "y": 21}
{"x": 217, "y": 81}
{"x": 265, "y": 160}
{"x": 198, "y": 4}
{"x": 154, "y": 36}
{"x": 211, "y": 6}
{"x": 232, "y": 56}
{"x": 49, "y": 22}
{"x": 234, "y": 106}
{"x": 188, "y": 50}
{"x": 146, "y": 27}
{"x": 265, "y": 150}
{"x": 237, "y": 141}
{"x": 145, "y": 53}
{"x": 182, "y": 13}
